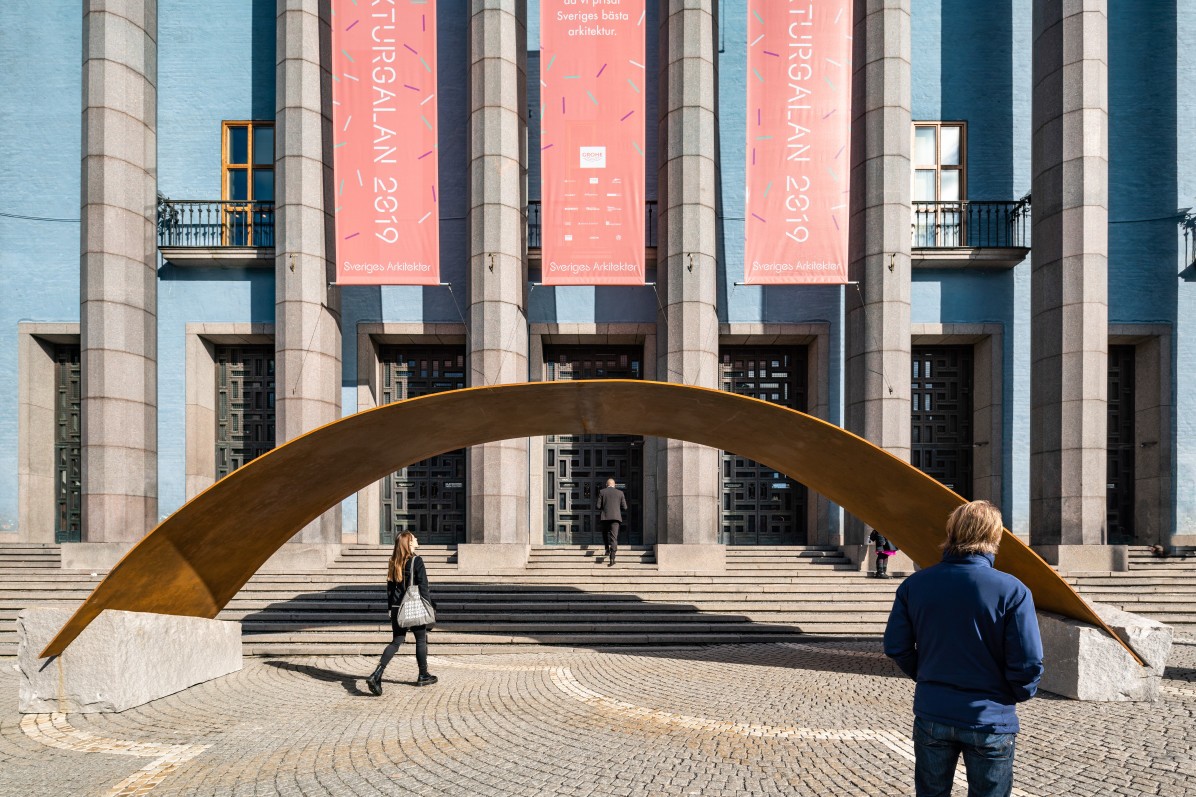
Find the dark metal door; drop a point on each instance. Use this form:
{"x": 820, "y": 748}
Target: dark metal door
{"x": 941, "y": 427}
{"x": 244, "y": 405}
{"x": 427, "y": 498}
{"x": 68, "y": 468}
{"x": 1122, "y": 446}
{"x": 760, "y": 505}
{"x": 578, "y": 465}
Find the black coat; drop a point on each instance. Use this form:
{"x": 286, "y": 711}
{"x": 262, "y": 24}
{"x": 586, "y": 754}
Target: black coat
{"x": 395, "y": 590}
{"x": 611, "y": 503}
{"x": 882, "y": 543}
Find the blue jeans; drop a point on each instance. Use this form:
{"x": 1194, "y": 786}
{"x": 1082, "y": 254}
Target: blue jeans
{"x": 987, "y": 757}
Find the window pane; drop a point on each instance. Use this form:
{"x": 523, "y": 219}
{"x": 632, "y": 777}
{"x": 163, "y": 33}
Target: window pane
{"x": 924, "y": 146}
{"x": 263, "y": 185}
{"x": 924, "y": 185}
{"x": 238, "y": 184}
{"x": 949, "y": 156}
{"x": 949, "y": 185}
{"x": 238, "y": 144}
{"x": 263, "y": 146}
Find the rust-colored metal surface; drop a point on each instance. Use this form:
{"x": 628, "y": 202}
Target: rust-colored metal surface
{"x": 198, "y": 558}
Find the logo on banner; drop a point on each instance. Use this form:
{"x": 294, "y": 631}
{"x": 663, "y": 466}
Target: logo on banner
{"x": 593, "y": 157}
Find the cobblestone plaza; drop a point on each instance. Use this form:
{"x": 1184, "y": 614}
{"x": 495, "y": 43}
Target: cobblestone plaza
{"x": 824, "y": 718}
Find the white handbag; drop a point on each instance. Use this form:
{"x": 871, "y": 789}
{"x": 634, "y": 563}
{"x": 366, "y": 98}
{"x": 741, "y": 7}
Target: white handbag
{"x": 415, "y": 609}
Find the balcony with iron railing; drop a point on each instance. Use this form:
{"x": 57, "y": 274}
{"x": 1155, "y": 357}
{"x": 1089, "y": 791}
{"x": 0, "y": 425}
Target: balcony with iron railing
{"x": 214, "y": 232}
{"x": 965, "y": 233}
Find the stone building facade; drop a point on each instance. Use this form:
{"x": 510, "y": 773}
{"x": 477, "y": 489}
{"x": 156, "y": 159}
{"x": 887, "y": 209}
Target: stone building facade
{"x": 1016, "y": 324}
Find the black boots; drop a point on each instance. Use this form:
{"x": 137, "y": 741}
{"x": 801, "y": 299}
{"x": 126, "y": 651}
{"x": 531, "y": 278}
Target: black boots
{"x": 374, "y": 682}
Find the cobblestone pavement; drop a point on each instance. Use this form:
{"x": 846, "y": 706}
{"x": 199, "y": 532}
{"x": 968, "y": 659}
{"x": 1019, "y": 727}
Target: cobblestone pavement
{"x": 824, "y": 718}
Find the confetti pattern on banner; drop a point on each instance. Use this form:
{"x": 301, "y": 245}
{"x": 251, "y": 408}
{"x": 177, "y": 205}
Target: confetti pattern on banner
{"x": 384, "y": 128}
{"x": 592, "y": 135}
{"x": 798, "y": 134}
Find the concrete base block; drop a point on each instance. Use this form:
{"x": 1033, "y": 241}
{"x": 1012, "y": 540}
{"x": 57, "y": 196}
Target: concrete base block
{"x": 1183, "y": 540}
{"x": 479, "y": 559}
{"x": 1086, "y": 558}
{"x": 94, "y": 557}
{"x": 686, "y": 558}
{"x": 301, "y": 556}
{"x": 1083, "y": 663}
{"x": 121, "y": 660}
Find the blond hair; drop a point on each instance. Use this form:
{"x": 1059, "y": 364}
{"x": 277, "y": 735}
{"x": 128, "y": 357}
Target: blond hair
{"x": 400, "y": 556}
{"x": 973, "y": 528}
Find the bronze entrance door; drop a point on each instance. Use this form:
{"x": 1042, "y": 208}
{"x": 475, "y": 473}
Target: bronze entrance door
{"x": 941, "y": 426}
{"x": 578, "y": 465}
{"x": 427, "y": 498}
{"x": 68, "y": 457}
{"x": 761, "y": 506}
{"x": 1122, "y": 446}
{"x": 244, "y": 405}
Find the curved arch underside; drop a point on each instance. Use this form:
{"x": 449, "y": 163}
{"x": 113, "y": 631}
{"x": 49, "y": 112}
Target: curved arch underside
{"x": 196, "y": 560}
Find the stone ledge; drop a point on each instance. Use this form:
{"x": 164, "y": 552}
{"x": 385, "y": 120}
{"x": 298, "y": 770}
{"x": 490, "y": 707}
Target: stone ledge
{"x": 687, "y": 558}
{"x": 480, "y": 559}
{"x": 95, "y": 557}
{"x": 301, "y": 556}
{"x": 1086, "y": 558}
{"x": 121, "y": 660}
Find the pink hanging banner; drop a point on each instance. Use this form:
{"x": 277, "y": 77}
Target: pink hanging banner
{"x": 798, "y": 131}
{"x": 384, "y": 142}
{"x": 592, "y": 80}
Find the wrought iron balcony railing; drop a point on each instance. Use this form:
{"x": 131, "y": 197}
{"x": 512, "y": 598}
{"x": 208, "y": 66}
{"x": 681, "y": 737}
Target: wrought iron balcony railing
{"x": 972, "y": 225}
{"x": 535, "y": 237}
{"x": 211, "y": 224}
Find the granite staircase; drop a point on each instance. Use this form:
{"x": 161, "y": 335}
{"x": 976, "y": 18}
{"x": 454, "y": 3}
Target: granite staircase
{"x": 568, "y": 596}
{"x": 1162, "y": 589}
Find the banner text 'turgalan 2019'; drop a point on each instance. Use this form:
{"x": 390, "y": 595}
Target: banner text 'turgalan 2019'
{"x": 384, "y": 129}
{"x": 798, "y": 134}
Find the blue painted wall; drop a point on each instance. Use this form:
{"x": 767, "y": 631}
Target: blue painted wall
{"x": 1142, "y": 161}
{"x": 41, "y": 85}
{"x": 971, "y": 63}
{"x": 215, "y": 63}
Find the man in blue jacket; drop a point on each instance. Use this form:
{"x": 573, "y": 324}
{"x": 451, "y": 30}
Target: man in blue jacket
{"x": 967, "y": 633}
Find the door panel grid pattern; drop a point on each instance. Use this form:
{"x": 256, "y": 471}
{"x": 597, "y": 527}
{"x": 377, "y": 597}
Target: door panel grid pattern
{"x": 577, "y": 466}
{"x": 427, "y": 498}
{"x": 761, "y": 506}
{"x": 1122, "y": 445}
{"x": 941, "y": 423}
{"x": 244, "y": 405}
{"x": 68, "y": 443}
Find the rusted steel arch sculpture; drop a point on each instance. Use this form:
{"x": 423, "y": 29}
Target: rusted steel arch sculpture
{"x": 196, "y": 560}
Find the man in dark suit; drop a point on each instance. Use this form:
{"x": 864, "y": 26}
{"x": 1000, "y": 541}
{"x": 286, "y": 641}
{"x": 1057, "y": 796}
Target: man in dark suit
{"x": 611, "y": 503}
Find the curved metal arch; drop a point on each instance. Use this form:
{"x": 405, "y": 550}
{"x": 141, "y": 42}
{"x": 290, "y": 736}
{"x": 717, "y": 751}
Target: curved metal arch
{"x": 196, "y": 560}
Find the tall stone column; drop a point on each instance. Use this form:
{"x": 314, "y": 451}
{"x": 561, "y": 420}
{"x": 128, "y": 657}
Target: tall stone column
{"x": 498, "y": 332}
{"x": 1069, "y": 281}
{"x": 118, "y": 274}
{"x": 877, "y": 385}
{"x": 687, "y": 347}
{"x": 307, "y": 342}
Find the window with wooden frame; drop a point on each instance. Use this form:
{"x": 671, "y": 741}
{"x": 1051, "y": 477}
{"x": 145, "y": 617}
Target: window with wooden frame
{"x": 247, "y": 183}
{"x": 940, "y": 182}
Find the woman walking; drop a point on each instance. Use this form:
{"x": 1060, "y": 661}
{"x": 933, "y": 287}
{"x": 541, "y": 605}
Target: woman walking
{"x": 404, "y": 570}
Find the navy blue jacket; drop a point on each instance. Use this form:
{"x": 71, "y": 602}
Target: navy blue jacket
{"x": 967, "y": 633}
